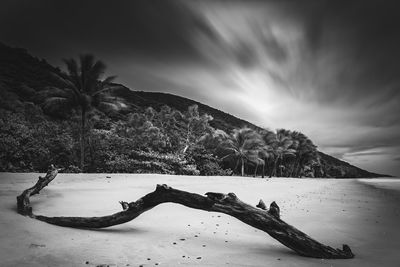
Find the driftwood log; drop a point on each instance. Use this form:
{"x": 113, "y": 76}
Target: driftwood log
{"x": 259, "y": 217}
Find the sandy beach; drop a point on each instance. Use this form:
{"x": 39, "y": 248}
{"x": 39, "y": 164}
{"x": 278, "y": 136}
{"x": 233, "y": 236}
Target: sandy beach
{"x": 353, "y": 212}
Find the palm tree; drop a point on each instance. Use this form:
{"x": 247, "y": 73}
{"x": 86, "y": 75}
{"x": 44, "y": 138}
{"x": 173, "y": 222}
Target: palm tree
{"x": 259, "y": 161}
{"x": 267, "y": 152}
{"x": 243, "y": 144}
{"x": 306, "y": 152}
{"x": 282, "y": 147}
{"x": 83, "y": 89}
{"x": 213, "y": 139}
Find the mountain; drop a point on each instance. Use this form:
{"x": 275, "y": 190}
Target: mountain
{"x": 18, "y": 67}
{"x": 22, "y": 76}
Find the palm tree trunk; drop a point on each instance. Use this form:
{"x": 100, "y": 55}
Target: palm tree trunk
{"x": 255, "y": 172}
{"x": 82, "y": 139}
{"x": 237, "y": 164}
{"x": 268, "y": 168}
{"x": 91, "y": 150}
{"x": 242, "y": 166}
{"x": 274, "y": 172}
{"x": 263, "y": 168}
{"x": 271, "y": 172}
{"x": 293, "y": 169}
{"x": 297, "y": 169}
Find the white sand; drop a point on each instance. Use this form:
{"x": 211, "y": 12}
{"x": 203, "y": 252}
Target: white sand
{"x": 331, "y": 211}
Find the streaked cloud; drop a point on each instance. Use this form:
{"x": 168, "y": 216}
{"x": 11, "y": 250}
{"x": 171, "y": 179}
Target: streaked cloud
{"x": 327, "y": 68}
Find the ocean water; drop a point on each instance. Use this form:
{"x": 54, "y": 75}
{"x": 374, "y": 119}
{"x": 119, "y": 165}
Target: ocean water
{"x": 383, "y": 183}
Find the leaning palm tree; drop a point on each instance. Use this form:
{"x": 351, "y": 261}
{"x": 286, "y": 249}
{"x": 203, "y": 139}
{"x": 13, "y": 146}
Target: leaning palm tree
{"x": 267, "y": 152}
{"x": 306, "y": 152}
{"x": 259, "y": 161}
{"x": 243, "y": 144}
{"x": 213, "y": 139}
{"x": 283, "y": 147}
{"x": 81, "y": 88}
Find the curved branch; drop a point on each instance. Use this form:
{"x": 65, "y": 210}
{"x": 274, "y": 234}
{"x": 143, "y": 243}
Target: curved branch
{"x": 23, "y": 202}
{"x": 260, "y": 218}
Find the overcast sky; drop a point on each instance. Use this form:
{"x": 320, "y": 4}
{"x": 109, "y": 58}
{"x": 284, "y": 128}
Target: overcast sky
{"x": 330, "y": 69}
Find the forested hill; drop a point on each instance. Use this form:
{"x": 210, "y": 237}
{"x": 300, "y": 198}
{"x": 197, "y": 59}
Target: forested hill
{"x": 134, "y": 138}
{"x": 228, "y": 122}
{"x": 341, "y": 169}
{"x": 221, "y": 120}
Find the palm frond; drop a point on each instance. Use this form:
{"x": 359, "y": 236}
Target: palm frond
{"x": 51, "y": 91}
{"x": 97, "y": 70}
{"x": 109, "y": 79}
{"x": 108, "y": 107}
{"x": 56, "y": 103}
{"x": 73, "y": 71}
{"x": 86, "y": 61}
{"x": 106, "y": 88}
{"x": 64, "y": 81}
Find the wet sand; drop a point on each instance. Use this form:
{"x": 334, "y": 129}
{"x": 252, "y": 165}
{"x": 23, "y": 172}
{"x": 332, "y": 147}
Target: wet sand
{"x": 332, "y": 211}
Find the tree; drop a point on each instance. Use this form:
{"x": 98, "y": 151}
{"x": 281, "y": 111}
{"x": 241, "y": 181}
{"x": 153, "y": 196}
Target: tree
{"x": 169, "y": 121}
{"x": 212, "y": 140}
{"x": 306, "y": 153}
{"x": 267, "y": 152}
{"x": 196, "y": 125}
{"x": 282, "y": 146}
{"x": 82, "y": 89}
{"x": 244, "y": 145}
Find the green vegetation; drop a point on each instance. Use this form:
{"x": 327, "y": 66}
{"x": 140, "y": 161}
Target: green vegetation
{"x": 83, "y": 123}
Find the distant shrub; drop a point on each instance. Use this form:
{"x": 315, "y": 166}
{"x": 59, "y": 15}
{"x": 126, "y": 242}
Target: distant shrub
{"x": 72, "y": 169}
{"x": 213, "y": 169}
{"x": 207, "y": 164}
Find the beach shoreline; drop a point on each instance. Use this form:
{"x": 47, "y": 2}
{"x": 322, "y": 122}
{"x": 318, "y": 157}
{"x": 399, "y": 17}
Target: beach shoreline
{"x": 330, "y": 210}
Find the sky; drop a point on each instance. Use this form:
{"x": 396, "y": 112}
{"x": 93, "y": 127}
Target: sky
{"x": 330, "y": 69}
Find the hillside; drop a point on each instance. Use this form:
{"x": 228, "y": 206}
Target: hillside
{"x": 331, "y": 166}
{"x": 18, "y": 68}
{"x": 221, "y": 120}
{"x": 22, "y": 76}
{"x": 337, "y": 168}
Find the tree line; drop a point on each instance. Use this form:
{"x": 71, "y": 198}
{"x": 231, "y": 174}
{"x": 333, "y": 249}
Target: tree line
{"x": 95, "y": 135}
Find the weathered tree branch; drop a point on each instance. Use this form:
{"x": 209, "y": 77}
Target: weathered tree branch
{"x": 260, "y": 218}
{"x": 23, "y": 203}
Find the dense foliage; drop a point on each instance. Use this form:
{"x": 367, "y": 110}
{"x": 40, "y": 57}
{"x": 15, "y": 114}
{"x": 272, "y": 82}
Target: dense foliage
{"x": 47, "y": 117}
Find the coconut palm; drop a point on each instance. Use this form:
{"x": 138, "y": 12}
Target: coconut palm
{"x": 282, "y": 147}
{"x": 82, "y": 89}
{"x": 259, "y": 161}
{"x": 267, "y": 152}
{"x": 243, "y": 144}
{"x": 306, "y": 151}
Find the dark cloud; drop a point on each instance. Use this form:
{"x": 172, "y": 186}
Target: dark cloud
{"x": 274, "y": 49}
{"x": 149, "y": 27}
{"x": 245, "y": 54}
{"x": 324, "y": 66}
{"x": 364, "y": 35}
